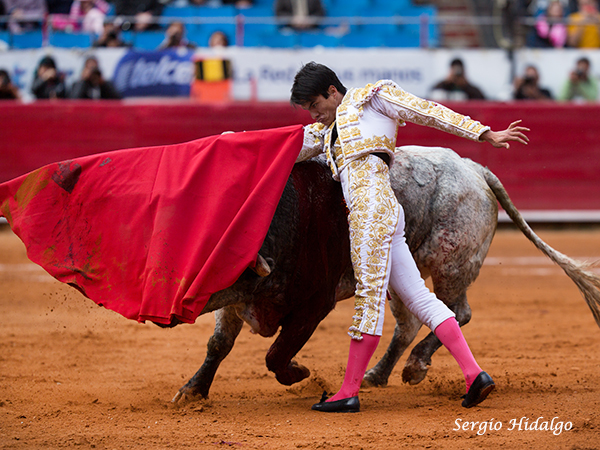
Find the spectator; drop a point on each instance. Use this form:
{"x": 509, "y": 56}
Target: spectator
{"x": 581, "y": 85}
{"x": 584, "y": 27}
{"x": 92, "y": 85}
{"x": 143, "y": 12}
{"x": 24, "y": 15}
{"x": 59, "y": 6}
{"x": 175, "y": 37}
{"x": 218, "y": 39}
{"x": 302, "y": 14}
{"x": 88, "y": 15}
{"x": 110, "y": 36}
{"x": 59, "y": 13}
{"x": 239, "y": 4}
{"x": 527, "y": 87}
{"x": 537, "y": 7}
{"x": 550, "y": 30}
{"x": 48, "y": 83}
{"x": 8, "y": 91}
{"x": 456, "y": 86}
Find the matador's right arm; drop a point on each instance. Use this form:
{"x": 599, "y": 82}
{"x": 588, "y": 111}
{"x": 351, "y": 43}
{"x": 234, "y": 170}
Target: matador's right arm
{"x": 314, "y": 139}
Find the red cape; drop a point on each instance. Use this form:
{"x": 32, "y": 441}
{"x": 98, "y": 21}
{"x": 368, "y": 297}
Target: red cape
{"x": 152, "y": 232}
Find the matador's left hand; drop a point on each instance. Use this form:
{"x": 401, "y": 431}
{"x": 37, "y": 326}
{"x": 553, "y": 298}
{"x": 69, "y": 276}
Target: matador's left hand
{"x": 501, "y": 138}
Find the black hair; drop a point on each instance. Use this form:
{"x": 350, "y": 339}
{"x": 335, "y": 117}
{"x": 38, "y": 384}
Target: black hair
{"x": 584, "y": 60}
{"x": 47, "y": 61}
{"x": 4, "y": 78}
{"x": 312, "y": 80}
{"x": 222, "y": 33}
{"x": 457, "y": 62}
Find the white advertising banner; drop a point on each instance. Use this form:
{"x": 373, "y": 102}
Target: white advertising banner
{"x": 267, "y": 74}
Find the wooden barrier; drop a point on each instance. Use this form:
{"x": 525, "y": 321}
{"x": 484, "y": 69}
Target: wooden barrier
{"x": 558, "y": 170}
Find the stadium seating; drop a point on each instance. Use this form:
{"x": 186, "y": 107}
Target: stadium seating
{"x": 257, "y": 28}
{"x": 362, "y": 39}
{"x": 279, "y": 40}
{"x": 5, "y": 37}
{"x": 314, "y": 39}
{"x": 370, "y": 23}
{"x": 28, "y": 39}
{"x": 222, "y": 18}
{"x": 70, "y": 40}
{"x": 148, "y": 40}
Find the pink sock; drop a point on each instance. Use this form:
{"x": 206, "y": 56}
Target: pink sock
{"x": 449, "y": 333}
{"x": 358, "y": 359}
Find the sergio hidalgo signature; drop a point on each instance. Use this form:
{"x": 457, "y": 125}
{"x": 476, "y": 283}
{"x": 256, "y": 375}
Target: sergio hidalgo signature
{"x": 555, "y": 425}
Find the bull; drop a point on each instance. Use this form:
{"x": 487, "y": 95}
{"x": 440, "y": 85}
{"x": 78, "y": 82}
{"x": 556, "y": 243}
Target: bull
{"x": 451, "y": 209}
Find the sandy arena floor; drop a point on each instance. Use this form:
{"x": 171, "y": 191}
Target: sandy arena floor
{"x": 76, "y": 375}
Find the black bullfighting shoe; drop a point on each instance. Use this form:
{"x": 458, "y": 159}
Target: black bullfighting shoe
{"x": 479, "y": 390}
{"x": 345, "y": 405}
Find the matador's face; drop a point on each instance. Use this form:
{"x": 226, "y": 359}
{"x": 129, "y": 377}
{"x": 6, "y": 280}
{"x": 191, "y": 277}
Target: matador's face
{"x": 323, "y": 109}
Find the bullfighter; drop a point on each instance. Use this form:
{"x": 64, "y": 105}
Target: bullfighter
{"x": 357, "y": 130}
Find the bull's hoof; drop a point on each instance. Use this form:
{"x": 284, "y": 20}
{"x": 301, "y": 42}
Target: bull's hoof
{"x": 293, "y": 373}
{"x": 374, "y": 379}
{"x": 185, "y": 396}
{"x": 414, "y": 371}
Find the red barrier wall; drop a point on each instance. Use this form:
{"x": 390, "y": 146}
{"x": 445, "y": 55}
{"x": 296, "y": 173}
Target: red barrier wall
{"x": 559, "y": 169}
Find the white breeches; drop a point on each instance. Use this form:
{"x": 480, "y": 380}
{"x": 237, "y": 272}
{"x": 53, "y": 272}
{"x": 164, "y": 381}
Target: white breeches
{"x": 380, "y": 255}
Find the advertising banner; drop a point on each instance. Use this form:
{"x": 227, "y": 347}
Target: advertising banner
{"x": 166, "y": 73}
{"x": 266, "y": 74}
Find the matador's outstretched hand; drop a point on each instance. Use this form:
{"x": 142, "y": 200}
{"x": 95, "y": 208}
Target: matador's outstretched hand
{"x": 501, "y": 138}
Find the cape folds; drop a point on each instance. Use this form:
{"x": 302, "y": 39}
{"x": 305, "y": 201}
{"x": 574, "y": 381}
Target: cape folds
{"x": 152, "y": 232}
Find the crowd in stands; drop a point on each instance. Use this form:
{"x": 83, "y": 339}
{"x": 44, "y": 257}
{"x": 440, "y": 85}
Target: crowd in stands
{"x": 558, "y": 23}
{"x": 8, "y": 91}
{"x": 563, "y": 23}
{"x": 262, "y": 21}
{"x": 581, "y": 85}
{"x": 49, "y": 82}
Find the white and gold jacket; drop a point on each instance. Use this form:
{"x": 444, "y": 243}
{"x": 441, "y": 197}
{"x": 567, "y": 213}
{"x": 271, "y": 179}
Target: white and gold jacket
{"x": 364, "y": 125}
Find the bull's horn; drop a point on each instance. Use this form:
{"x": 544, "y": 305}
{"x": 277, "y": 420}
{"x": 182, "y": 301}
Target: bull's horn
{"x": 262, "y": 267}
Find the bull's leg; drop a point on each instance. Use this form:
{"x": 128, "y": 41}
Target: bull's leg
{"x": 407, "y": 327}
{"x": 227, "y": 328}
{"x": 296, "y": 329}
{"x": 419, "y": 360}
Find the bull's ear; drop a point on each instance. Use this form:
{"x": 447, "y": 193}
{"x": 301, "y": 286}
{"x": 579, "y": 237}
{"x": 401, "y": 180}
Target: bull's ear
{"x": 262, "y": 268}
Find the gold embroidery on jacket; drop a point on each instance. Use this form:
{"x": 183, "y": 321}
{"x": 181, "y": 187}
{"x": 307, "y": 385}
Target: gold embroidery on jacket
{"x": 372, "y": 222}
{"x": 374, "y": 143}
{"x": 437, "y": 115}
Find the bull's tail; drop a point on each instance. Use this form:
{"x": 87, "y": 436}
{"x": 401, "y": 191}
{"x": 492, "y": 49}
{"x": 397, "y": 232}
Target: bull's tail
{"x": 587, "y": 282}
